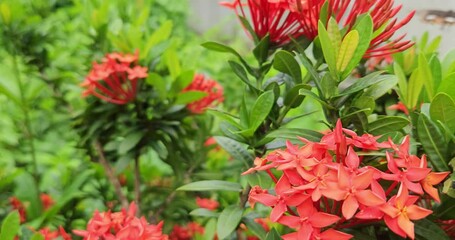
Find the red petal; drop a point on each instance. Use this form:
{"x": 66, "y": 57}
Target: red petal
{"x": 369, "y": 198}
{"x": 415, "y": 212}
{"x": 392, "y": 223}
{"x": 320, "y": 219}
{"x": 417, "y": 174}
{"x": 406, "y": 225}
{"x": 363, "y": 180}
{"x": 331, "y": 234}
{"x": 350, "y": 206}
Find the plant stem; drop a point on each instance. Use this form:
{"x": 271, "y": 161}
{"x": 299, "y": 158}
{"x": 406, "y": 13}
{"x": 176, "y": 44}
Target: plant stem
{"x": 110, "y": 175}
{"x": 137, "y": 184}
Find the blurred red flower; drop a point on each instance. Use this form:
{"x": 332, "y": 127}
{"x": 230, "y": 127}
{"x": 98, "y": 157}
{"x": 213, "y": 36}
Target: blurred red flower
{"x": 115, "y": 78}
{"x": 207, "y": 203}
{"x": 16, "y": 204}
{"x": 213, "y": 90}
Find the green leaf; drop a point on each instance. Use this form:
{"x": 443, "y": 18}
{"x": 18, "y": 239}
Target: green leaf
{"x": 235, "y": 149}
{"x": 364, "y": 27}
{"x": 225, "y": 116}
{"x": 363, "y": 83}
{"x": 426, "y": 229}
{"x": 442, "y": 108}
{"x": 203, "y": 212}
{"x": 425, "y": 75}
{"x": 402, "y": 82}
{"x": 286, "y": 63}
{"x": 365, "y": 102}
{"x": 293, "y": 99}
{"x": 10, "y": 226}
{"x": 433, "y": 143}
{"x": 218, "y": 47}
{"x": 37, "y": 236}
{"x": 26, "y": 191}
{"x": 9, "y": 94}
{"x": 273, "y": 235}
{"x": 172, "y": 62}
{"x": 228, "y": 221}
{"x": 261, "y": 51}
{"x": 241, "y": 73}
{"x": 384, "y": 84}
{"x": 130, "y": 141}
{"x": 334, "y": 35}
{"x": 328, "y": 86}
{"x": 295, "y": 133}
{"x": 415, "y": 85}
{"x": 387, "y": 124}
{"x": 159, "y": 35}
{"x": 158, "y": 83}
{"x": 254, "y": 227}
{"x": 211, "y": 185}
{"x": 448, "y": 85}
{"x": 189, "y": 97}
{"x": 347, "y": 50}
{"x": 261, "y": 179}
{"x": 182, "y": 81}
{"x": 311, "y": 94}
{"x": 328, "y": 49}
{"x": 210, "y": 229}
{"x": 260, "y": 110}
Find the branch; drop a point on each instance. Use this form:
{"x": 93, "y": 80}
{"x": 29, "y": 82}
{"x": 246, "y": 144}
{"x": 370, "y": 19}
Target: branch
{"x": 110, "y": 175}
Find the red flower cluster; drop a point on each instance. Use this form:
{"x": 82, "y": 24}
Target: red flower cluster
{"x": 327, "y": 184}
{"x": 269, "y": 17}
{"x": 16, "y": 204}
{"x": 187, "y": 232}
{"x": 207, "y": 203}
{"x": 115, "y": 79}
{"x": 282, "y": 19}
{"x": 121, "y": 225}
{"x": 213, "y": 90}
{"x": 52, "y": 235}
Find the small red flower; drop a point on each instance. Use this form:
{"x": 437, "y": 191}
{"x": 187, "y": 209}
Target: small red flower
{"x": 115, "y": 78}
{"x": 46, "y": 200}
{"x": 207, "y": 203}
{"x": 213, "y": 90}
{"x": 19, "y": 206}
{"x": 186, "y": 232}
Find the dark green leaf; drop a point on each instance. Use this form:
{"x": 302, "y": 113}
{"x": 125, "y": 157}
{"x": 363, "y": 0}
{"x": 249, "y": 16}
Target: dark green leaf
{"x": 384, "y": 84}
{"x": 363, "y": 83}
{"x": 442, "y": 108}
{"x": 228, "y": 221}
{"x": 433, "y": 143}
{"x": 286, "y": 63}
{"x": 293, "y": 99}
{"x": 130, "y": 141}
{"x": 220, "y": 48}
{"x": 387, "y": 124}
{"x": 241, "y": 73}
{"x": 211, "y": 185}
{"x": 237, "y": 150}
{"x": 294, "y": 133}
{"x": 254, "y": 227}
{"x": 260, "y": 110}
{"x": 261, "y": 51}
{"x": 273, "y": 235}
{"x": 10, "y": 226}
{"x": 26, "y": 191}
{"x": 427, "y": 229}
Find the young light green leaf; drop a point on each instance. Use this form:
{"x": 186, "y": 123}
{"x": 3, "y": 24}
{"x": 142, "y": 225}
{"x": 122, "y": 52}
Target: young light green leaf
{"x": 433, "y": 143}
{"x": 387, "y": 124}
{"x": 273, "y": 235}
{"x": 328, "y": 49}
{"x": 211, "y": 185}
{"x": 261, "y": 109}
{"x": 159, "y": 35}
{"x": 218, "y": 47}
{"x": 10, "y": 226}
{"x": 210, "y": 229}
{"x": 182, "y": 81}
{"x": 26, "y": 190}
{"x": 189, "y": 96}
{"x": 442, "y": 108}
{"x": 334, "y": 35}
{"x": 228, "y": 221}
{"x": 286, "y": 63}
{"x": 424, "y": 73}
{"x": 158, "y": 83}
{"x": 415, "y": 85}
{"x": 347, "y": 50}
{"x": 402, "y": 82}
{"x": 172, "y": 62}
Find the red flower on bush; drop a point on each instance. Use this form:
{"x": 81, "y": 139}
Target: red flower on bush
{"x": 269, "y": 17}
{"x": 187, "y": 232}
{"x": 16, "y": 204}
{"x": 330, "y": 186}
{"x": 207, "y": 203}
{"x": 46, "y": 200}
{"x": 121, "y": 225}
{"x": 115, "y": 78}
{"x": 213, "y": 90}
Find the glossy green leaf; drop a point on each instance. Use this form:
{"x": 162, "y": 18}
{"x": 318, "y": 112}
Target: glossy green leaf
{"x": 211, "y": 185}
{"x": 362, "y": 83}
{"x": 158, "y": 83}
{"x": 241, "y": 73}
{"x": 328, "y": 49}
{"x": 210, "y": 229}
{"x": 402, "y": 82}
{"x": 286, "y": 63}
{"x": 425, "y": 75}
{"x": 231, "y": 119}
{"x": 384, "y": 84}
{"x": 387, "y": 124}
{"x": 329, "y": 86}
{"x": 415, "y": 85}
{"x": 365, "y": 102}
{"x": 433, "y": 143}
{"x": 295, "y": 133}
{"x": 182, "y": 81}
{"x": 228, "y": 221}
{"x": 203, "y": 212}
{"x": 334, "y": 35}
{"x": 448, "y": 85}
{"x": 260, "y": 110}
{"x": 261, "y": 51}
{"x": 261, "y": 179}
{"x": 189, "y": 97}
{"x": 130, "y": 141}
{"x": 426, "y": 229}
{"x": 218, "y": 47}
{"x": 347, "y": 50}
{"x": 159, "y": 35}
{"x": 10, "y": 226}
{"x": 235, "y": 149}
{"x": 436, "y": 70}
{"x": 293, "y": 99}
{"x": 442, "y": 108}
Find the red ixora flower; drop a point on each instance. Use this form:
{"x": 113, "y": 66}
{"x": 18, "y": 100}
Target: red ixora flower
{"x": 115, "y": 78}
{"x": 269, "y": 17}
{"x": 213, "y": 90}
{"x": 123, "y": 225}
{"x": 207, "y": 203}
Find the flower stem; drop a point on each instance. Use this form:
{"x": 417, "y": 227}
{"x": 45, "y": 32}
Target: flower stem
{"x": 110, "y": 175}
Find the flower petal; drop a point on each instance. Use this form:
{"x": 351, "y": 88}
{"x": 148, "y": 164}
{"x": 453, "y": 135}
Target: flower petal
{"x": 363, "y": 180}
{"x": 350, "y": 206}
{"x": 406, "y": 225}
{"x": 331, "y": 234}
{"x": 369, "y": 198}
{"x": 321, "y": 220}
{"x": 392, "y": 223}
{"x": 415, "y": 212}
